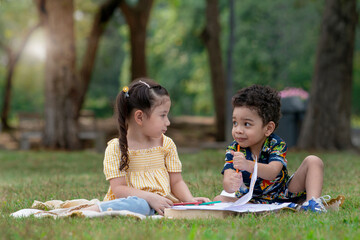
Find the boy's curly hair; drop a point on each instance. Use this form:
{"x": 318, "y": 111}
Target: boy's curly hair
{"x": 264, "y": 99}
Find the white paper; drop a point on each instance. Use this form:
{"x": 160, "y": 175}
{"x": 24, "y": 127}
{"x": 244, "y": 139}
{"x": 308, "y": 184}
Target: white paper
{"x": 247, "y": 197}
{"x": 234, "y": 208}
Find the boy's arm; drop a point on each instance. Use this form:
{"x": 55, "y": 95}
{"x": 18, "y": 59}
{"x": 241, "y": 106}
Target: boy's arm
{"x": 265, "y": 171}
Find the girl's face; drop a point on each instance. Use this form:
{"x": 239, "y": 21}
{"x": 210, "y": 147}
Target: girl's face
{"x": 156, "y": 124}
{"x": 248, "y": 128}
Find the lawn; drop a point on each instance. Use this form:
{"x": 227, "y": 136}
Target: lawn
{"x": 43, "y": 175}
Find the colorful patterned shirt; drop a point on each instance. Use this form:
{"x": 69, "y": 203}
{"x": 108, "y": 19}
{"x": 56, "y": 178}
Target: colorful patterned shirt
{"x": 274, "y": 149}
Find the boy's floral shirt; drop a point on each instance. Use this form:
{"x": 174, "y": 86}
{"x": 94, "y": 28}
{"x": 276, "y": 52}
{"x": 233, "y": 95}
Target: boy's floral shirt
{"x": 274, "y": 149}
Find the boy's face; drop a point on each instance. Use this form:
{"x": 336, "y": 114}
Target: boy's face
{"x": 248, "y": 128}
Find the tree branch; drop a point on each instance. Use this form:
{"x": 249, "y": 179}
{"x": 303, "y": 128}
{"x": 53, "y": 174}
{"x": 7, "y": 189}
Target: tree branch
{"x": 102, "y": 17}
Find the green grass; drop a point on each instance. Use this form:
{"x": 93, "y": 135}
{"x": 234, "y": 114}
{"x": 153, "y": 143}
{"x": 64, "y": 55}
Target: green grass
{"x": 29, "y": 176}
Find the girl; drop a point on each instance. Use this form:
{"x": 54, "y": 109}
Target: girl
{"x": 143, "y": 166}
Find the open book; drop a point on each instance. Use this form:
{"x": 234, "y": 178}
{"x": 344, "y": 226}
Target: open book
{"x": 240, "y": 205}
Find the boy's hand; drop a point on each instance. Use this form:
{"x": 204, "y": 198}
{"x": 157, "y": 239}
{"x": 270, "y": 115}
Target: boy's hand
{"x": 240, "y": 162}
{"x": 232, "y": 181}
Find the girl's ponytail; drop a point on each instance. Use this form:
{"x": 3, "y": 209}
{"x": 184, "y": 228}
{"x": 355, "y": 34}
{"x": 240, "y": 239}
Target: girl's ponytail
{"x": 122, "y": 111}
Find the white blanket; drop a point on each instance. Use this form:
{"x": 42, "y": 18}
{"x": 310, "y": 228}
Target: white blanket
{"x": 72, "y": 208}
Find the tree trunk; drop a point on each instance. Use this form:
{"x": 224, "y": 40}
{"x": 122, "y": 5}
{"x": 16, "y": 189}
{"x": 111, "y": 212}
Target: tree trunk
{"x": 61, "y": 84}
{"x": 327, "y": 121}
{"x": 65, "y": 89}
{"x": 229, "y": 71}
{"x": 137, "y": 18}
{"x": 13, "y": 58}
{"x": 7, "y": 91}
{"x": 102, "y": 17}
{"x": 210, "y": 36}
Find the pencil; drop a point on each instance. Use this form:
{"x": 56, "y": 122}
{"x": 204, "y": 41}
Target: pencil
{"x": 209, "y": 203}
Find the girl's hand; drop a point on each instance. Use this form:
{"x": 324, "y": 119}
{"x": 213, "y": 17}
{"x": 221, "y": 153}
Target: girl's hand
{"x": 234, "y": 180}
{"x": 159, "y": 203}
{"x": 240, "y": 162}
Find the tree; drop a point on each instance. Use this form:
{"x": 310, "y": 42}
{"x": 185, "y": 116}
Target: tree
{"x": 210, "y": 36}
{"x": 12, "y": 59}
{"x": 65, "y": 88}
{"x": 61, "y": 82}
{"x": 137, "y": 18}
{"x": 229, "y": 70}
{"x": 15, "y": 31}
{"x": 327, "y": 121}
{"x": 102, "y": 17}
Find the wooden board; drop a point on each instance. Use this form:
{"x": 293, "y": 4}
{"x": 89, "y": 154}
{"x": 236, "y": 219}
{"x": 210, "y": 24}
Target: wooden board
{"x": 196, "y": 213}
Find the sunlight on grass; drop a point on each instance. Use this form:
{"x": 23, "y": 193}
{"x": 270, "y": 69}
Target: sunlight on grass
{"x": 29, "y": 176}
{"x": 355, "y": 121}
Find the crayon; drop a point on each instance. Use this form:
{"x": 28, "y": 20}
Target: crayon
{"x": 238, "y": 149}
{"x": 209, "y": 203}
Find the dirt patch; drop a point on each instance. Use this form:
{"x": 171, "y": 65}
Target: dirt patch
{"x": 186, "y": 131}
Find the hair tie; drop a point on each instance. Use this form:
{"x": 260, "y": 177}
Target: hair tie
{"x": 146, "y": 84}
{"x": 126, "y": 91}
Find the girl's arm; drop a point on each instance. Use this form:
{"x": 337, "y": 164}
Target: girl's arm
{"x": 181, "y": 190}
{"x": 121, "y": 190}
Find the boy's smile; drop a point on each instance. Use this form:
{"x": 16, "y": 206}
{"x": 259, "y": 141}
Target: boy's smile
{"x": 248, "y": 128}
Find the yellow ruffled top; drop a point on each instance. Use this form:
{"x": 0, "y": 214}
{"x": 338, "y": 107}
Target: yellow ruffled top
{"x": 148, "y": 168}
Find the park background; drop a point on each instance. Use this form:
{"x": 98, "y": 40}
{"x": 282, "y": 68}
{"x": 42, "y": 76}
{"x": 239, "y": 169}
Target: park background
{"x": 202, "y": 52}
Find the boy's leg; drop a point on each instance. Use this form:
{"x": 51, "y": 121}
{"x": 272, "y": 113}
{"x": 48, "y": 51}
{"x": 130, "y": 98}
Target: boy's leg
{"x": 309, "y": 177}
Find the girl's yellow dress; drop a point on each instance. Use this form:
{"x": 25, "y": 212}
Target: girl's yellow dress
{"x": 148, "y": 168}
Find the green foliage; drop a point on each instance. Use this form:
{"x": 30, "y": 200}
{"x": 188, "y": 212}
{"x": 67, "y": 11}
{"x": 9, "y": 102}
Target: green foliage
{"x": 275, "y": 44}
{"x": 16, "y": 18}
{"x": 12, "y": 24}
{"x": 105, "y": 82}
{"x": 29, "y": 176}
{"x": 356, "y": 81}
{"x": 177, "y": 57}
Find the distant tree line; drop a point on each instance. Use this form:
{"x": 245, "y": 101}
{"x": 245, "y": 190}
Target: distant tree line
{"x": 183, "y": 45}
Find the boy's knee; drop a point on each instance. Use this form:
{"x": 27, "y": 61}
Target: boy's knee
{"x": 313, "y": 160}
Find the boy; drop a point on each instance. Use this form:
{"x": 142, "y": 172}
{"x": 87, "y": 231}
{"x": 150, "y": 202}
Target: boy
{"x": 256, "y": 115}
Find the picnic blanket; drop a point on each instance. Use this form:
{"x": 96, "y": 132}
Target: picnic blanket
{"x": 72, "y": 208}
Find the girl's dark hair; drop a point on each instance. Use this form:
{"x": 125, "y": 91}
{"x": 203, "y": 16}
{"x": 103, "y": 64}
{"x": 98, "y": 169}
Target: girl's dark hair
{"x": 142, "y": 94}
{"x": 263, "y": 99}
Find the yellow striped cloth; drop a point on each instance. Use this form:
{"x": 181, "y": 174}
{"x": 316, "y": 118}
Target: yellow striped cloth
{"x": 148, "y": 168}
